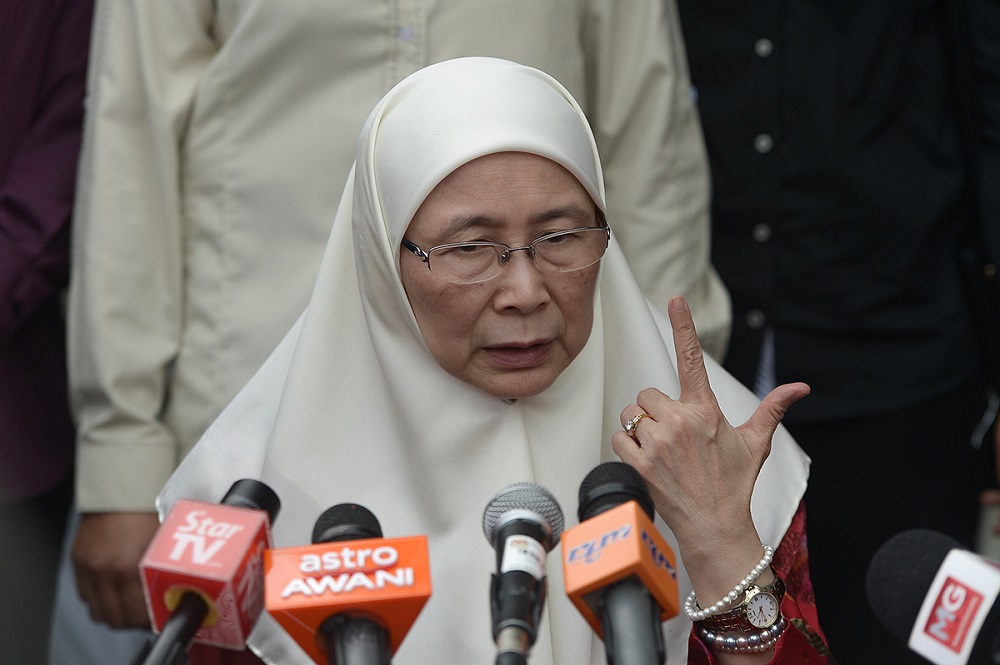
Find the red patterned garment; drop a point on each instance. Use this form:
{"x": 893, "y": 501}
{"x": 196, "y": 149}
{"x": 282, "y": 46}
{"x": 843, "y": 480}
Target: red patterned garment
{"x": 206, "y": 655}
{"x": 803, "y": 642}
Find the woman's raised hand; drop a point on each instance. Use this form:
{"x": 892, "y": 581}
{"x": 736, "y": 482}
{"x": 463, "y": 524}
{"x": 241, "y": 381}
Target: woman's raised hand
{"x": 700, "y": 469}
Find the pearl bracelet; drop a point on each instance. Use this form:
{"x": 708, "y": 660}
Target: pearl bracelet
{"x": 694, "y": 611}
{"x": 745, "y": 642}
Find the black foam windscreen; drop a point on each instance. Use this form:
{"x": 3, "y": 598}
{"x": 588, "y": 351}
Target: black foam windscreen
{"x": 611, "y": 484}
{"x": 346, "y": 521}
{"x": 900, "y": 574}
{"x": 255, "y": 495}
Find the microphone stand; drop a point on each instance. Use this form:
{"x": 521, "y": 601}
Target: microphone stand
{"x": 355, "y": 640}
{"x": 170, "y": 648}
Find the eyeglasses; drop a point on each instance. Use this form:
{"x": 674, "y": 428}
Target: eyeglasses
{"x": 475, "y": 262}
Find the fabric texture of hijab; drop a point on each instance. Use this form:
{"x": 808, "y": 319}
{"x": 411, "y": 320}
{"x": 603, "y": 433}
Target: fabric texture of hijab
{"x": 352, "y": 407}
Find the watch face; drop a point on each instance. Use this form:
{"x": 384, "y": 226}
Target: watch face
{"x": 762, "y": 609}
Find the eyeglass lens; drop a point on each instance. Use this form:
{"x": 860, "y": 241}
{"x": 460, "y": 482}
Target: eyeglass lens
{"x": 563, "y": 251}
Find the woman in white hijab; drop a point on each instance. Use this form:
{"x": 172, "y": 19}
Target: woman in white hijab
{"x": 419, "y": 388}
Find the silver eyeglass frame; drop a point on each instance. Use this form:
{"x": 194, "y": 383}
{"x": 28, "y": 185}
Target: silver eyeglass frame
{"x": 507, "y": 250}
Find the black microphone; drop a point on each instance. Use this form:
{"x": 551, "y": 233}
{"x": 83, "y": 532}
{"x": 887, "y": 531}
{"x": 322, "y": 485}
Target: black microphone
{"x": 630, "y": 616}
{"x": 351, "y": 638}
{"x": 937, "y": 598}
{"x": 522, "y": 522}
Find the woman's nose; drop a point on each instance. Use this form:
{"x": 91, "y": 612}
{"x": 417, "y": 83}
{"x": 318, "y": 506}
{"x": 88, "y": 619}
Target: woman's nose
{"x": 522, "y": 285}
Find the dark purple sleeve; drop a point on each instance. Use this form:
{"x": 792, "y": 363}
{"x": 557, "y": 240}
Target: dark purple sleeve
{"x": 41, "y": 143}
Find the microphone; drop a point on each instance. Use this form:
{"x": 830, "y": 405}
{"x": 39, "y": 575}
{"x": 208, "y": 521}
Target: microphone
{"x": 522, "y": 522}
{"x": 351, "y": 596}
{"x": 619, "y": 571}
{"x": 937, "y": 598}
{"x": 202, "y": 572}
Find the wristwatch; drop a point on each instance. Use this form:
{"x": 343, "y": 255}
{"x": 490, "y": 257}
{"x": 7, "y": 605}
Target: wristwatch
{"x": 760, "y": 609}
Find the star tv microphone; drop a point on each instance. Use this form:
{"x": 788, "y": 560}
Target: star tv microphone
{"x": 522, "y": 522}
{"x": 619, "y": 571}
{"x": 202, "y": 573}
{"x": 351, "y": 596}
{"x": 937, "y": 598}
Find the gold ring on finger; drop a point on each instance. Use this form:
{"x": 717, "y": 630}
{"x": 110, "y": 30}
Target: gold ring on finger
{"x": 633, "y": 423}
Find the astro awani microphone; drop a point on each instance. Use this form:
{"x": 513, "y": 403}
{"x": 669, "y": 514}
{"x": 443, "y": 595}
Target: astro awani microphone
{"x": 351, "y": 596}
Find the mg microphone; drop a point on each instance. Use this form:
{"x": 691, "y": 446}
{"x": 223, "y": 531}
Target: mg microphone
{"x": 522, "y": 522}
{"x": 937, "y": 598}
{"x": 619, "y": 571}
{"x": 351, "y": 597}
{"x": 202, "y": 573}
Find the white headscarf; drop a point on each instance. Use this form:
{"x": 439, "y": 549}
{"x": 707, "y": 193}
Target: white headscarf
{"x": 352, "y": 407}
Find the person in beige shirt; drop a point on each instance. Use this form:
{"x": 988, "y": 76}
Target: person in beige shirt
{"x": 218, "y": 137}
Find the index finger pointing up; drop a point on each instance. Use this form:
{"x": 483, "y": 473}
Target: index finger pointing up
{"x": 691, "y": 370}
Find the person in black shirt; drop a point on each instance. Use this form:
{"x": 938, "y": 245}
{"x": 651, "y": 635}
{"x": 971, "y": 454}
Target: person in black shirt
{"x": 841, "y": 191}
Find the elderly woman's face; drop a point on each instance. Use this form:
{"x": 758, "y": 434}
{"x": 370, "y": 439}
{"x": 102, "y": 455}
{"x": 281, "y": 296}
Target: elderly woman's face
{"x": 512, "y": 335}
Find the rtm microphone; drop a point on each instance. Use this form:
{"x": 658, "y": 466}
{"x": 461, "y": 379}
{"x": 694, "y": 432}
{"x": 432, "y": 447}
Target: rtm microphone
{"x": 619, "y": 571}
{"x": 522, "y": 523}
{"x": 351, "y": 597}
{"x": 937, "y": 598}
{"x": 202, "y": 573}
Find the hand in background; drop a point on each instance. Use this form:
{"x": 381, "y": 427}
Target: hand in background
{"x": 991, "y": 497}
{"x": 106, "y": 555}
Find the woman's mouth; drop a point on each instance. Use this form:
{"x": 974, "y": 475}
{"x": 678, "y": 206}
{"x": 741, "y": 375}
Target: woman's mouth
{"x": 520, "y": 356}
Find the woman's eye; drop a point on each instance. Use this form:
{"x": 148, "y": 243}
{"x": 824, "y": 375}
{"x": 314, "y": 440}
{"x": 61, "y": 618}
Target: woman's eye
{"x": 466, "y": 250}
{"x": 562, "y": 238}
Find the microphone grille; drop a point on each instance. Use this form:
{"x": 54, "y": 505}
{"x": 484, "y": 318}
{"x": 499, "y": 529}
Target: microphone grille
{"x": 346, "y": 521}
{"x": 611, "y": 484}
{"x": 524, "y": 496}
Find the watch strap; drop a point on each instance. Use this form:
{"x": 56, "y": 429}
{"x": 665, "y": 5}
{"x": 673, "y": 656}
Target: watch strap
{"x": 735, "y": 620}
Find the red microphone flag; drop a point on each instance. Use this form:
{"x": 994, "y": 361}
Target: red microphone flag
{"x": 217, "y": 552}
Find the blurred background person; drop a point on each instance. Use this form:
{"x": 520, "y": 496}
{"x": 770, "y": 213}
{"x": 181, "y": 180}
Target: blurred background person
{"x": 218, "y": 137}
{"x": 43, "y": 48}
{"x": 841, "y": 194}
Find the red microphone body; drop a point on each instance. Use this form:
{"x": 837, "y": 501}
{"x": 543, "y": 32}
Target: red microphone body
{"x": 202, "y": 573}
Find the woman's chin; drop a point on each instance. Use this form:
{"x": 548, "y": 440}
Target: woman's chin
{"x": 518, "y": 385}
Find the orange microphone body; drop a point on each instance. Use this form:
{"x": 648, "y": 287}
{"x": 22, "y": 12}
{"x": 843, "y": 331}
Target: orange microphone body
{"x": 618, "y": 544}
{"x": 323, "y": 594}
{"x": 619, "y": 571}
